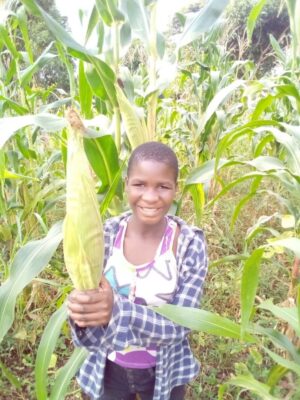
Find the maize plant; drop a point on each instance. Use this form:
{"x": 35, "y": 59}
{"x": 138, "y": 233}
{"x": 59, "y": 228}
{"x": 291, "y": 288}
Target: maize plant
{"x": 82, "y": 230}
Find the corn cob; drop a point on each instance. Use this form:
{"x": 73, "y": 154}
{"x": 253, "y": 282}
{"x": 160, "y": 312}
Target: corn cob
{"x": 82, "y": 230}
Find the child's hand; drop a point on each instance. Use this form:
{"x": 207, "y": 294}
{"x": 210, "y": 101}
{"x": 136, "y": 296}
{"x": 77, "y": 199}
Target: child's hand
{"x": 91, "y": 307}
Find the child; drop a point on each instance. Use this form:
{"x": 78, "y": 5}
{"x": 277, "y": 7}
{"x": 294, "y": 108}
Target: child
{"x": 151, "y": 258}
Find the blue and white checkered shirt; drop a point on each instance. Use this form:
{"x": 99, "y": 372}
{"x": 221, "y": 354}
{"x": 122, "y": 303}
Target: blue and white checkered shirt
{"x": 138, "y": 325}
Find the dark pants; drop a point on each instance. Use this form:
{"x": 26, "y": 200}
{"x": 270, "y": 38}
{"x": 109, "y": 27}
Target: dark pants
{"x": 124, "y": 383}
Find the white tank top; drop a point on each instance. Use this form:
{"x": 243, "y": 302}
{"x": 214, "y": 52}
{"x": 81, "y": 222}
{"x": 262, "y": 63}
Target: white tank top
{"x": 152, "y": 283}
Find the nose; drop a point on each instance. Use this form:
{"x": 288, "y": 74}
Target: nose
{"x": 150, "y": 195}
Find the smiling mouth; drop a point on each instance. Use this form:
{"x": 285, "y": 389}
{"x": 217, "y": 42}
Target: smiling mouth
{"x": 149, "y": 211}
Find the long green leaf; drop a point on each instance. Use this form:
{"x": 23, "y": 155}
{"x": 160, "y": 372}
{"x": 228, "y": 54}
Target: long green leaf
{"x": 112, "y": 191}
{"x": 250, "y": 383}
{"x": 219, "y": 98}
{"x": 23, "y": 24}
{"x": 103, "y": 157}
{"x": 280, "y": 340}
{"x": 20, "y": 110}
{"x": 139, "y": 19}
{"x": 85, "y": 93}
{"x": 291, "y": 145}
{"x": 254, "y": 14}
{"x": 202, "y": 21}
{"x": 288, "y": 314}
{"x": 66, "y": 373}
{"x": 291, "y": 243}
{"x": 12, "y": 378}
{"x": 277, "y": 49}
{"x": 45, "y": 351}
{"x": 8, "y": 42}
{"x": 291, "y": 365}
{"x": 250, "y": 279}
{"x": 10, "y": 125}
{"x": 235, "y": 134}
{"x": 29, "y": 261}
{"x": 40, "y": 62}
{"x": 109, "y": 12}
{"x": 203, "y": 321}
{"x": 205, "y": 172}
{"x": 93, "y": 21}
{"x": 105, "y": 73}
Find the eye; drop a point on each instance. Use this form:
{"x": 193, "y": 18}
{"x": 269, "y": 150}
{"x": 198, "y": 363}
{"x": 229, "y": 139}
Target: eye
{"x": 164, "y": 187}
{"x": 138, "y": 184}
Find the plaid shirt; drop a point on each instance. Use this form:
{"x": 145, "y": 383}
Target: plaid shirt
{"x": 134, "y": 324}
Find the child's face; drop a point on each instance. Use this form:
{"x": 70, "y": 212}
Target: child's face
{"x": 151, "y": 189}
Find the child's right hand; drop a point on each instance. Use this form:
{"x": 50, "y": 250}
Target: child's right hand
{"x": 93, "y": 307}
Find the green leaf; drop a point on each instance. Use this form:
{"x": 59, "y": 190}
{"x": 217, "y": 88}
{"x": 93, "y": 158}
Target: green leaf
{"x": 252, "y": 384}
{"x": 204, "y": 173}
{"x": 202, "y": 21}
{"x": 29, "y": 261}
{"x": 66, "y": 373}
{"x": 227, "y": 188}
{"x": 276, "y": 373}
{"x": 45, "y": 351}
{"x": 114, "y": 188}
{"x": 288, "y": 314}
{"x": 219, "y": 98}
{"x": 10, "y": 125}
{"x": 13, "y": 175}
{"x": 251, "y": 20}
{"x": 266, "y": 163}
{"x": 261, "y": 106}
{"x": 109, "y": 12}
{"x": 291, "y": 145}
{"x": 23, "y": 24}
{"x": 235, "y": 135}
{"x": 244, "y": 200}
{"x": 201, "y": 320}
{"x": 250, "y": 279}
{"x": 95, "y": 82}
{"x": 103, "y": 157}
{"x": 105, "y": 73}
{"x": 280, "y": 340}
{"x": 139, "y": 20}
{"x": 198, "y": 196}
{"x": 291, "y": 243}
{"x": 40, "y": 62}
{"x": 93, "y": 21}
{"x": 228, "y": 259}
{"x": 12, "y": 379}
{"x": 14, "y": 106}
{"x": 8, "y": 42}
{"x": 85, "y": 93}
{"x": 291, "y": 365}
{"x": 277, "y": 49}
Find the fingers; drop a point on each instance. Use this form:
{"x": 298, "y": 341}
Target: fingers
{"x": 93, "y": 319}
{"x": 104, "y": 284}
{"x": 91, "y": 307}
{"x": 85, "y": 297}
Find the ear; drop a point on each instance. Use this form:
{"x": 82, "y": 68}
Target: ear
{"x": 126, "y": 183}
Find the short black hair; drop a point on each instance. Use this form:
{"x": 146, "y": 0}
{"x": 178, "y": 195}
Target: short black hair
{"x": 154, "y": 151}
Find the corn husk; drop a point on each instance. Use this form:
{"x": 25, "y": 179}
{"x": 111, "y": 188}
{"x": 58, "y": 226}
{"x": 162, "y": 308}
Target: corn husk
{"x": 135, "y": 127}
{"x": 83, "y": 241}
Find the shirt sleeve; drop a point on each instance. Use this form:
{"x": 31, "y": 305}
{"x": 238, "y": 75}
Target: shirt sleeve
{"x": 134, "y": 324}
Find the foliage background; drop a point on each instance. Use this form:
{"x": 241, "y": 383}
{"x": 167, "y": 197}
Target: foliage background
{"x": 226, "y": 98}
